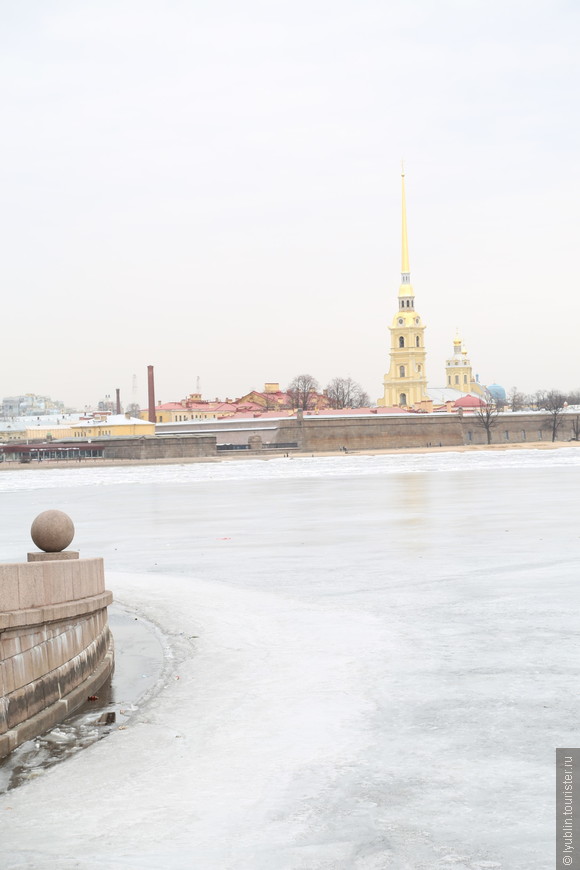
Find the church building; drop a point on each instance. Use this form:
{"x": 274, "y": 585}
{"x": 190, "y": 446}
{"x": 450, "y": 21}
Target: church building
{"x": 458, "y": 371}
{"x": 405, "y": 384}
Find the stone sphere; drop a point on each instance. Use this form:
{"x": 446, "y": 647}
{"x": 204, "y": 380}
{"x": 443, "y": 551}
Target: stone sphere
{"x": 52, "y": 531}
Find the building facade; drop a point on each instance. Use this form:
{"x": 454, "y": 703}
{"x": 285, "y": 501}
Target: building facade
{"x": 42, "y": 429}
{"x": 459, "y": 373}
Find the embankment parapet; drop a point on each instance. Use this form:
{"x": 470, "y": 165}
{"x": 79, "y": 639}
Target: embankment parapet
{"x": 55, "y": 643}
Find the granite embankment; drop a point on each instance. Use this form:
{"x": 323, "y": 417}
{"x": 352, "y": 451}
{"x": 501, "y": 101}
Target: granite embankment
{"x": 55, "y": 643}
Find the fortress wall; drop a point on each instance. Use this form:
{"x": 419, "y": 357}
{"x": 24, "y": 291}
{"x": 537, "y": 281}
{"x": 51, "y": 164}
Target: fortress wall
{"x": 381, "y": 431}
{"x": 386, "y": 432}
{"x": 517, "y": 428}
{"x": 372, "y": 433}
{"x": 156, "y": 447}
{"x": 55, "y": 644}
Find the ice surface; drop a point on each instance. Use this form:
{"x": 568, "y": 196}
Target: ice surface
{"x": 374, "y": 660}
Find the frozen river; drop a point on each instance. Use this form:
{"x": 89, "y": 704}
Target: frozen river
{"x": 374, "y": 659}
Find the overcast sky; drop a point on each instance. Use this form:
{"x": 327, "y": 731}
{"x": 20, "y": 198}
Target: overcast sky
{"x": 212, "y": 187}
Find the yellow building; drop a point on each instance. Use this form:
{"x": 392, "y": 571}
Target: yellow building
{"x": 405, "y": 384}
{"x": 115, "y": 425}
{"x": 458, "y": 371}
{"x": 12, "y": 432}
{"x": 192, "y": 408}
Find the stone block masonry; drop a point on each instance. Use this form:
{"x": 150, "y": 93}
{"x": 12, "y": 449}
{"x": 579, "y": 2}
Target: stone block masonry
{"x": 55, "y": 645}
{"x": 152, "y": 447}
{"x": 415, "y": 431}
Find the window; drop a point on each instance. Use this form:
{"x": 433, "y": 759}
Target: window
{"x": 507, "y": 435}
{"x": 403, "y": 399}
{"x": 464, "y": 379}
{"x": 523, "y": 434}
{"x": 401, "y": 341}
{"x": 401, "y": 371}
{"x": 419, "y": 367}
{"x": 449, "y": 379}
{"x": 456, "y": 379}
{"x": 470, "y": 436}
{"x": 417, "y": 341}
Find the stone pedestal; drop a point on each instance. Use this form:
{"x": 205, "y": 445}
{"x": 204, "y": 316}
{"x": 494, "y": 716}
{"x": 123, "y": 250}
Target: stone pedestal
{"x": 52, "y": 557}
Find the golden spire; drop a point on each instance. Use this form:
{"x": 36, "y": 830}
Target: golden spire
{"x": 405, "y": 247}
{"x": 405, "y": 289}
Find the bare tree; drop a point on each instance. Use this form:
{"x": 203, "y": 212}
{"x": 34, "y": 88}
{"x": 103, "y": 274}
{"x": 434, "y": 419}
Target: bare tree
{"x": 303, "y": 390}
{"x": 576, "y": 428}
{"x": 270, "y": 403}
{"x": 487, "y": 415}
{"x": 346, "y": 393}
{"x": 516, "y": 399}
{"x": 538, "y": 399}
{"x": 555, "y": 404}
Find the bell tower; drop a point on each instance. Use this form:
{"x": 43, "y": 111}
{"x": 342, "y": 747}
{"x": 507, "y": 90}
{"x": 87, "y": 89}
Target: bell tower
{"x": 405, "y": 384}
{"x": 458, "y": 370}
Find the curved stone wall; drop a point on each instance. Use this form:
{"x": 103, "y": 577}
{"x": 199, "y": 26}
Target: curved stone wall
{"x": 55, "y": 643}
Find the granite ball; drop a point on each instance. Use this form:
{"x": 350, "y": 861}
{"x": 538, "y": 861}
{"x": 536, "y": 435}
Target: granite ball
{"x": 52, "y": 531}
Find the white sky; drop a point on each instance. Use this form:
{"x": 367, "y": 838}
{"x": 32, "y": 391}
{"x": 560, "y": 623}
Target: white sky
{"x": 213, "y": 188}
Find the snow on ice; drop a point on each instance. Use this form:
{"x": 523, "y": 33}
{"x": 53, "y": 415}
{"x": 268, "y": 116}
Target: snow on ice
{"x": 377, "y": 657}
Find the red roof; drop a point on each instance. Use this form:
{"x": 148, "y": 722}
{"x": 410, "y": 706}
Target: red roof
{"x": 341, "y": 412}
{"x": 327, "y": 412}
{"x": 278, "y": 398}
{"x": 469, "y": 401}
{"x": 262, "y": 413}
{"x": 251, "y": 409}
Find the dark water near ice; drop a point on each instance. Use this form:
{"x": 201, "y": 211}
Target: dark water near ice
{"x": 138, "y": 668}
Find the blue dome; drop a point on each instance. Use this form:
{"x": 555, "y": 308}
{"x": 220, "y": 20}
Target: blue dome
{"x": 498, "y": 392}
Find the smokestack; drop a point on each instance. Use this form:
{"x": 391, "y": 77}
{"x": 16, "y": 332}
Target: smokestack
{"x": 151, "y": 387}
{"x": 118, "y": 400}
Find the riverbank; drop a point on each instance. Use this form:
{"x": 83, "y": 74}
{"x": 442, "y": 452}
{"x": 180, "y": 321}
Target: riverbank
{"x": 265, "y": 455}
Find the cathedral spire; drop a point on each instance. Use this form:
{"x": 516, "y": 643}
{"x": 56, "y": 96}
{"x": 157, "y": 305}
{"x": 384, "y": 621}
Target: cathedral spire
{"x": 405, "y": 271}
{"x": 405, "y": 384}
{"x": 405, "y": 290}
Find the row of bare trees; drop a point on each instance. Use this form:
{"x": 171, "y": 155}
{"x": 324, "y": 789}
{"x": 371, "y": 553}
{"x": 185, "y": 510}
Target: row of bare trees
{"x": 552, "y": 401}
{"x": 305, "y": 394}
{"x": 339, "y": 393}
{"x": 517, "y": 401}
